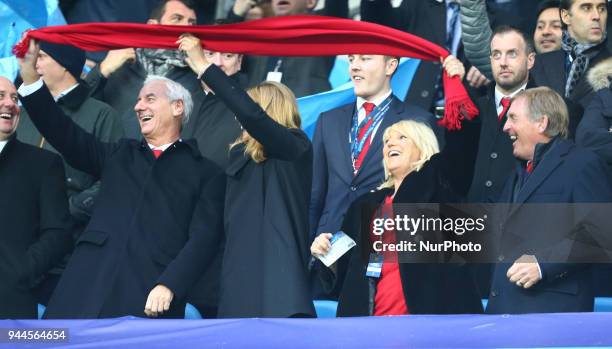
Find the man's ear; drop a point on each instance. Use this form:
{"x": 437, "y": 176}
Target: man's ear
{"x": 530, "y": 60}
{"x": 311, "y": 4}
{"x": 152, "y": 21}
{"x": 178, "y": 108}
{"x": 543, "y": 124}
{"x": 565, "y": 16}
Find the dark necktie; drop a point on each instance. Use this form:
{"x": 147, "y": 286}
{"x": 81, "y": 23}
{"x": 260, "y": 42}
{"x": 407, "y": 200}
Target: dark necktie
{"x": 505, "y": 102}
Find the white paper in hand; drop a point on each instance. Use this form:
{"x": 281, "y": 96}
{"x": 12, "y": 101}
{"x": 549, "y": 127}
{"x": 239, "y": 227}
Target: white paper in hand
{"x": 340, "y": 244}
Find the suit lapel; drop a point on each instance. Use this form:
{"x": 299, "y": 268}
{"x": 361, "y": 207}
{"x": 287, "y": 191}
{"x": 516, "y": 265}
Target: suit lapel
{"x": 344, "y": 122}
{"x": 549, "y": 163}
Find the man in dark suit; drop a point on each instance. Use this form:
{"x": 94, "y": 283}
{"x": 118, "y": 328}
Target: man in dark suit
{"x": 154, "y": 228}
{"x": 583, "y": 46}
{"x": 348, "y": 141}
{"x": 35, "y": 230}
{"x": 512, "y": 55}
{"x": 537, "y": 271}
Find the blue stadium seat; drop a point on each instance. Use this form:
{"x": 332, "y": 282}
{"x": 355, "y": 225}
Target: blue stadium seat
{"x": 41, "y": 311}
{"x": 191, "y": 313}
{"x": 603, "y": 304}
{"x": 325, "y": 308}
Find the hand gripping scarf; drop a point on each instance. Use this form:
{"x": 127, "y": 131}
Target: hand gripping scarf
{"x": 277, "y": 36}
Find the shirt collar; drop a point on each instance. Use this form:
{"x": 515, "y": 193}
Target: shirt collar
{"x": 65, "y": 92}
{"x": 376, "y": 101}
{"x": 499, "y": 95}
{"x": 3, "y": 144}
{"x": 162, "y": 147}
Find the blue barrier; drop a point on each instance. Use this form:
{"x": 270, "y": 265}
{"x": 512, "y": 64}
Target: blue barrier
{"x": 412, "y": 331}
{"x": 191, "y": 313}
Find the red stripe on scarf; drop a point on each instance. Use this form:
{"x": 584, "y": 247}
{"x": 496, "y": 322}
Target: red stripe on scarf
{"x": 276, "y": 36}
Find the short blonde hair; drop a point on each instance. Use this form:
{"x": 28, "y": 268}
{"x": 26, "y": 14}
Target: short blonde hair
{"x": 279, "y": 103}
{"x": 423, "y": 138}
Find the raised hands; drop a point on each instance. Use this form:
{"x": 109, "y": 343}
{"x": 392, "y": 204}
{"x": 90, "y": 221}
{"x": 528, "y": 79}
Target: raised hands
{"x": 195, "y": 55}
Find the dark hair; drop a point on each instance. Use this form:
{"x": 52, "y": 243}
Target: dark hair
{"x": 160, "y": 9}
{"x": 565, "y": 4}
{"x": 545, "y": 5}
{"x": 503, "y": 29}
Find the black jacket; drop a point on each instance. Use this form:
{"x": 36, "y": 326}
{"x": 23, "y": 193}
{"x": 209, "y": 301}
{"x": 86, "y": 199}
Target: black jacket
{"x": 429, "y": 288}
{"x": 549, "y": 70}
{"x": 35, "y": 230}
{"x": 155, "y": 221}
{"x": 264, "y": 270}
{"x": 214, "y": 127}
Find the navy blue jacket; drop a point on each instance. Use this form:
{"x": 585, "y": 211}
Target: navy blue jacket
{"x": 565, "y": 174}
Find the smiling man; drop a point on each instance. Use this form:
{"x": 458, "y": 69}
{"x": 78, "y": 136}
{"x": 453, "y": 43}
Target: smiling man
{"x": 156, "y": 213}
{"x": 535, "y": 277}
{"x": 583, "y": 46}
{"x": 348, "y": 141}
{"x": 547, "y": 35}
{"x": 35, "y": 230}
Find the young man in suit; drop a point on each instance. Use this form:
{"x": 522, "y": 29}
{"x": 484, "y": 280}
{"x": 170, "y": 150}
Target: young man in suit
{"x": 537, "y": 270}
{"x": 36, "y": 225}
{"x": 583, "y": 46}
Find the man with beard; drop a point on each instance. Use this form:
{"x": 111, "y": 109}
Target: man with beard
{"x": 583, "y": 46}
{"x": 117, "y": 83}
{"x": 512, "y": 55}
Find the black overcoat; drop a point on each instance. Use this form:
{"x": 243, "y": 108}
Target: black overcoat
{"x": 35, "y": 231}
{"x": 264, "y": 270}
{"x": 429, "y": 288}
{"x": 153, "y": 222}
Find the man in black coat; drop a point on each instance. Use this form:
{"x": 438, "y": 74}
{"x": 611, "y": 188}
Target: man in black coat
{"x": 583, "y": 46}
{"x": 512, "y": 55}
{"x": 119, "y": 77}
{"x": 35, "y": 230}
{"x": 543, "y": 265}
{"x": 154, "y": 227}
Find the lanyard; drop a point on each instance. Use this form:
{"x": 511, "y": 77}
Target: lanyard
{"x": 377, "y": 114}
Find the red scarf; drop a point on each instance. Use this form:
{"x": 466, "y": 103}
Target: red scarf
{"x": 277, "y": 36}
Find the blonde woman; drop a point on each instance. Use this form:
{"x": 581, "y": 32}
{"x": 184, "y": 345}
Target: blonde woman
{"x": 264, "y": 272}
{"x": 412, "y": 175}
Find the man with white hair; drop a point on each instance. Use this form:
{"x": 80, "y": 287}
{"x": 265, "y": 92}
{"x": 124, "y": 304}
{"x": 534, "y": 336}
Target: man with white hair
{"x": 155, "y": 222}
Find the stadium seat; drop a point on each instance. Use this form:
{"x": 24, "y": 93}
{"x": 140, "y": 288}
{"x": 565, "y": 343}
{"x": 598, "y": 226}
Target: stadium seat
{"x": 603, "y": 304}
{"x": 41, "y": 311}
{"x": 325, "y": 308}
{"x": 191, "y": 313}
